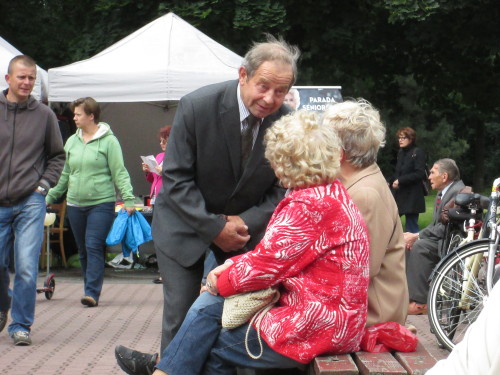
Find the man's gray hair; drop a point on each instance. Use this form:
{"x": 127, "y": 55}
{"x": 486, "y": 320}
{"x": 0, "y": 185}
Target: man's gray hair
{"x": 450, "y": 167}
{"x": 271, "y": 50}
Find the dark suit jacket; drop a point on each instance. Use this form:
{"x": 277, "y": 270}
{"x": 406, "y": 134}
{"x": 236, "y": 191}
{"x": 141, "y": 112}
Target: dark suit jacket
{"x": 202, "y": 177}
{"x": 435, "y": 230}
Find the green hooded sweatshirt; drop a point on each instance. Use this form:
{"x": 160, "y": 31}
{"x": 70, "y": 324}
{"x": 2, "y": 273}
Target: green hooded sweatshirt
{"x": 92, "y": 170}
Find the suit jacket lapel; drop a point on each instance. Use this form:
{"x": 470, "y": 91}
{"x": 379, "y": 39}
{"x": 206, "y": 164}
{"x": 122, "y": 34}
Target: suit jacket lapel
{"x": 258, "y": 149}
{"x": 230, "y": 120}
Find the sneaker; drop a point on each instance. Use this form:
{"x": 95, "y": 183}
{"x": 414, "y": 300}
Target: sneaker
{"x": 88, "y": 301}
{"x": 21, "y": 338}
{"x": 3, "y": 319}
{"x": 134, "y": 362}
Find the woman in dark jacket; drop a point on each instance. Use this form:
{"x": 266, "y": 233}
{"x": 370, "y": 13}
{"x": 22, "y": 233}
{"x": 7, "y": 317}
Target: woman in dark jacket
{"x": 407, "y": 183}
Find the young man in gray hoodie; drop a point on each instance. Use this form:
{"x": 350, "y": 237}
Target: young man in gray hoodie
{"x": 32, "y": 154}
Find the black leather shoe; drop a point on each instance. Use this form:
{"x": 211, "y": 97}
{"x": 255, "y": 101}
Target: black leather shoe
{"x": 3, "y": 319}
{"x": 134, "y": 362}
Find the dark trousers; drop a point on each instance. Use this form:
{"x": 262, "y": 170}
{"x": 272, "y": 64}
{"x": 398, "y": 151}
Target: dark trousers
{"x": 420, "y": 261}
{"x": 181, "y": 287}
{"x": 411, "y": 223}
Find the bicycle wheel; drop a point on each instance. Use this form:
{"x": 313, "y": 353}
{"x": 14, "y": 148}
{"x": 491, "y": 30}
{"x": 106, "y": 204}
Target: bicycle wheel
{"x": 457, "y": 291}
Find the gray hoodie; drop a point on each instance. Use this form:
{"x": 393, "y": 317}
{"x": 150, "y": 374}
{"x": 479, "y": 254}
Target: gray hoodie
{"x": 31, "y": 149}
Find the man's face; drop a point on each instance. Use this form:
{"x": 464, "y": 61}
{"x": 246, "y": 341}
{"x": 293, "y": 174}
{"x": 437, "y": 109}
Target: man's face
{"x": 438, "y": 181}
{"x": 291, "y": 101}
{"x": 21, "y": 81}
{"x": 265, "y": 92}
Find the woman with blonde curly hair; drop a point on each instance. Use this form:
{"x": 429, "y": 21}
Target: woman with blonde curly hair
{"x": 315, "y": 252}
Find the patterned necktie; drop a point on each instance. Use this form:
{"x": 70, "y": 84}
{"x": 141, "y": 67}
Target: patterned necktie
{"x": 247, "y": 140}
{"x": 438, "y": 201}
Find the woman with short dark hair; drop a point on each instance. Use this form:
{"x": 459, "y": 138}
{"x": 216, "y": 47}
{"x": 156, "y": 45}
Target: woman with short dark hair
{"x": 406, "y": 183}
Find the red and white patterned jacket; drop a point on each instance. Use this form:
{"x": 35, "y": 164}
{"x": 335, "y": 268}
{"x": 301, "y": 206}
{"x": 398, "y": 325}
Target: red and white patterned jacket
{"x": 316, "y": 250}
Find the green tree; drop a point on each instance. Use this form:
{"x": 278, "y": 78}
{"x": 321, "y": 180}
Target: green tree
{"x": 455, "y": 60}
{"x": 428, "y": 64}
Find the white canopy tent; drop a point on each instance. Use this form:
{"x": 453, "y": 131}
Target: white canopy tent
{"x": 138, "y": 80}
{"x": 7, "y": 52}
{"x": 163, "y": 60}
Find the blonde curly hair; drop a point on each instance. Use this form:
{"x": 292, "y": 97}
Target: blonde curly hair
{"x": 302, "y": 152}
{"x": 361, "y": 132}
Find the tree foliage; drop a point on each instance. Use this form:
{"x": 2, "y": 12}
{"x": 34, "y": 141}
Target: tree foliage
{"x": 429, "y": 64}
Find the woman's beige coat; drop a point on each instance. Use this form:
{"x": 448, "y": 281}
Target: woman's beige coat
{"x": 388, "y": 291}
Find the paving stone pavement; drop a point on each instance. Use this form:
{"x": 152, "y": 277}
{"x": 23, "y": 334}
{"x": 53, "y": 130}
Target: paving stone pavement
{"x": 70, "y": 339}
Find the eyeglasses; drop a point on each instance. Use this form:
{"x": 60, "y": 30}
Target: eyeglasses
{"x": 163, "y": 141}
{"x": 402, "y": 138}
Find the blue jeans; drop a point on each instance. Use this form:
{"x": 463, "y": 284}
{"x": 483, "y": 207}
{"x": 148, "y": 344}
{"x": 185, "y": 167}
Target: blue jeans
{"x": 21, "y": 226}
{"x": 4, "y": 289}
{"x": 5, "y": 292}
{"x": 202, "y": 346}
{"x": 412, "y": 223}
{"x": 90, "y": 226}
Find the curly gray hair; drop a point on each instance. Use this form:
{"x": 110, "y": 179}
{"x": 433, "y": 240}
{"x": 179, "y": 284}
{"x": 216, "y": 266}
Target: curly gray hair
{"x": 359, "y": 128}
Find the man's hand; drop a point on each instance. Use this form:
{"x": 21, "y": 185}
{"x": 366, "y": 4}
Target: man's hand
{"x": 410, "y": 239}
{"x": 241, "y": 224}
{"x": 233, "y": 236}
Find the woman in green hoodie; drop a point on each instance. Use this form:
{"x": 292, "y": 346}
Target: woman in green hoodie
{"x": 94, "y": 166}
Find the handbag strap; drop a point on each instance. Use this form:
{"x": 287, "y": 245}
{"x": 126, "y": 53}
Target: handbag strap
{"x": 257, "y": 318}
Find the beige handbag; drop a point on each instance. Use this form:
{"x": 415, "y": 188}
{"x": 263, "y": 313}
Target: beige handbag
{"x": 241, "y": 308}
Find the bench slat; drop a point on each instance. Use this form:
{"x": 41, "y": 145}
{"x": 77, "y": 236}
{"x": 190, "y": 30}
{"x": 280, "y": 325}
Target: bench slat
{"x": 335, "y": 364}
{"x": 417, "y": 362}
{"x": 378, "y": 363}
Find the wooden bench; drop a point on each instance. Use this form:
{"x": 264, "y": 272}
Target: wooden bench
{"x": 363, "y": 363}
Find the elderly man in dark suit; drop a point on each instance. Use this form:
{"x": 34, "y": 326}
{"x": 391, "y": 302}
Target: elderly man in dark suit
{"x": 422, "y": 255}
{"x": 219, "y": 191}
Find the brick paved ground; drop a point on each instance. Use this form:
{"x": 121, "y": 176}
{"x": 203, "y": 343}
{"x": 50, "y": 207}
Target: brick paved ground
{"x": 70, "y": 339}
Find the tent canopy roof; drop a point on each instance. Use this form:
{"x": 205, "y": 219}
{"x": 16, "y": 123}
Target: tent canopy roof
{"x": 163, "y": 60}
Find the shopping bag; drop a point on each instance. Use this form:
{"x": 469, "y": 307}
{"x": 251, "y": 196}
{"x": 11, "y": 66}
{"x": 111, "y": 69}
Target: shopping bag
{"x": 387, "y": 337}
{"x": 138, "y": 232}
{"x": 117, "y": 231}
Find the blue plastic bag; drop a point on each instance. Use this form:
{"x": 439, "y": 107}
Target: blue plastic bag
{"x": 138, "y": 232}
{"x": 117, "y": 232}
{"x": 129, "y": 230}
